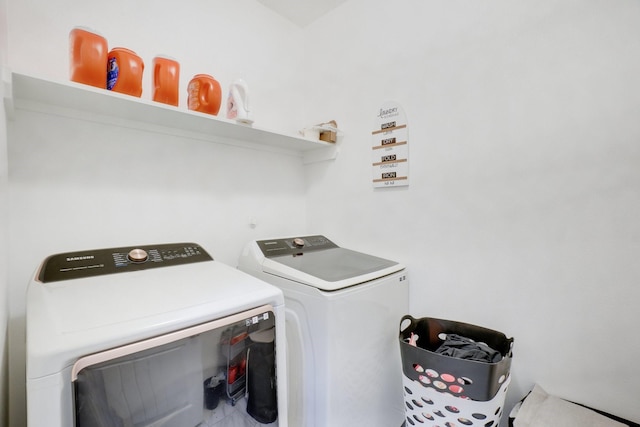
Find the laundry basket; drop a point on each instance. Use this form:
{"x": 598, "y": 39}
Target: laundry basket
{"x": 440, "y": 390}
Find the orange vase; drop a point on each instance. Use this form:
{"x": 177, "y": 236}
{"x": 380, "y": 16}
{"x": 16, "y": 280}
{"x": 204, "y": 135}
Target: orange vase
{"x": 166, "y": 77}
{"x": 124, "y": 71}
{"x": 205, "y": 94}
{"x": 87, "y": 57}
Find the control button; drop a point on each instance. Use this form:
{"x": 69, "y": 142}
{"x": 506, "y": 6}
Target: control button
{"x": 298, "y": 242}
{"x": 138, "y": 255}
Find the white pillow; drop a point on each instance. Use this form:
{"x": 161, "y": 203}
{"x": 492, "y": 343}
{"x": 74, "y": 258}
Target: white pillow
{"x": 540, "y": 409}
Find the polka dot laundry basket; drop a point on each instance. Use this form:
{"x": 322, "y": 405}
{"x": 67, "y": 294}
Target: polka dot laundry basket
{"x": 445, "y": 391}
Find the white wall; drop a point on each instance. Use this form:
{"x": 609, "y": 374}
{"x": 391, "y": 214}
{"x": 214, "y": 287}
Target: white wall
{"x": 4, "y": 196}
{"x": 71, "y": 180}
{"x": 522, "y": 212}
{"x": 523, "y": 204}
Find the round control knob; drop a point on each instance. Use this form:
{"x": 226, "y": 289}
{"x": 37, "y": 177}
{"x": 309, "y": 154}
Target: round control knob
{"x": 298, "y": 242}
{"x": 138, "y": 255}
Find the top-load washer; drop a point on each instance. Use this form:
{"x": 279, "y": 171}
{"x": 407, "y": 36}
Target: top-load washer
{"x": 342, "y": 310}
{"x": 155, "y": 335}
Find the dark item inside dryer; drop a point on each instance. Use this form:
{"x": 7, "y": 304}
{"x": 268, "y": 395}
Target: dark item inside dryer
{"x": 262, "y": 403}
{"x": 213, "y": 391}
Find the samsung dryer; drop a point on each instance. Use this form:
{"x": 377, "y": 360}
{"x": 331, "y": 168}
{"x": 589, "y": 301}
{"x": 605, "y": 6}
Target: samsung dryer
{"x": 155, "y": 335}
{"x": 342, "y": 314}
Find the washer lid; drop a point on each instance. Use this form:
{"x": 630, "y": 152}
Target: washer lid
{"x": 316, "y": 261}
{"x": 333, "y": 265}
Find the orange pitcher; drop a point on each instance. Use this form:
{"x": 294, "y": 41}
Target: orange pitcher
{"x": 166, "y": 75}
{"x": 88, "y": 57}
{"x": 124, "y": 71}
{"x": 205, "y": 94}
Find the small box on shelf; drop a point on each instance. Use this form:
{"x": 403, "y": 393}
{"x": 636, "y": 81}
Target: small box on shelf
{"x": 328, "y": 136}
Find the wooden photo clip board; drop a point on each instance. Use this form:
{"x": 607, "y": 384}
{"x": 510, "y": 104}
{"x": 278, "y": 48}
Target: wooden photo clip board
{"x": 390, "y": 147}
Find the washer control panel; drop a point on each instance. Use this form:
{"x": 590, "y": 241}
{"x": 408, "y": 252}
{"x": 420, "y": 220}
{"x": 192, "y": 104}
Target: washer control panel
{"x": 294, "y": 245}
{"x": 97, "y": 262}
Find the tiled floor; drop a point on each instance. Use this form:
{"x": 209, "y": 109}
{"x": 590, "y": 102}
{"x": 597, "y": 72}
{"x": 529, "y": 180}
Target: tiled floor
{"x": 226, "y": 415}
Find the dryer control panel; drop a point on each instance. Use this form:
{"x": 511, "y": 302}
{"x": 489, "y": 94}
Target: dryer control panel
{"x": 294, "y": 245}
{"x": 97, "y": 262}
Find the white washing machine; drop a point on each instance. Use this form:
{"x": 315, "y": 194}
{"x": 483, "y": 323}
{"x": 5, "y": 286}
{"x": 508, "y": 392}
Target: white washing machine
{"x": 158, "y": 335}
{"x": 343, "y": 310}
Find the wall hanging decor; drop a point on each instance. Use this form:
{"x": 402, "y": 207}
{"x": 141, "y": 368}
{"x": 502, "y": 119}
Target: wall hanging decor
{"x": 390, "y": 147}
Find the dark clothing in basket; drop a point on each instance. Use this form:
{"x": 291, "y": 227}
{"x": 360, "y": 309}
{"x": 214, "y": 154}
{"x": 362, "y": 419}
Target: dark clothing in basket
{"x": 465, "y": 348}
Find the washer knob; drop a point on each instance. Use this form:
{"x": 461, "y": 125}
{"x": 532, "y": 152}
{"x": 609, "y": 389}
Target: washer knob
{"x": 298, "y": 242}
{"x": 138, "y": 255}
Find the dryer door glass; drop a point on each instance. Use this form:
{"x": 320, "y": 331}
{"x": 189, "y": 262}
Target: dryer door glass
{"x": 192, "y": 377}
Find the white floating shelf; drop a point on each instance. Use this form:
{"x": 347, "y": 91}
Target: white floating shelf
{"x": 86, "y": 102}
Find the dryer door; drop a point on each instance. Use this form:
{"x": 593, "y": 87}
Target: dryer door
{"x": 185, "y": 378}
